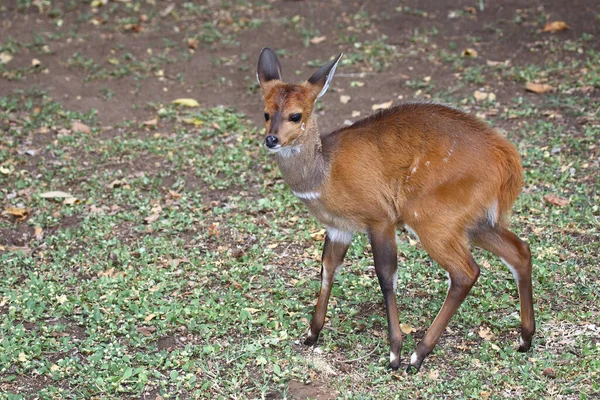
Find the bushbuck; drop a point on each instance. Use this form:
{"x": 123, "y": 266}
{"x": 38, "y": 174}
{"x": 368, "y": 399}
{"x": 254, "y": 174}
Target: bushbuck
{"x": 445, "y": 176}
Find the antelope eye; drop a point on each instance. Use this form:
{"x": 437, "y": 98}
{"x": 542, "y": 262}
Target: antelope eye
{"x": 296, "y": 117}
{"x": 267, "y": 116}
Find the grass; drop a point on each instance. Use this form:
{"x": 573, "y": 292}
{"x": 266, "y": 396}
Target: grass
{"x": 182, "y": 266}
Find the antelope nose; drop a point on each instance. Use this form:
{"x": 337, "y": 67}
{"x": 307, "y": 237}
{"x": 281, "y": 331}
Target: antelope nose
{"x": 271, "y": 141}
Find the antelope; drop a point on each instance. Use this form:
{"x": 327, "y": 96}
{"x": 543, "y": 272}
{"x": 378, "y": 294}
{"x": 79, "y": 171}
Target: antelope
{"x": 445, "y": 176}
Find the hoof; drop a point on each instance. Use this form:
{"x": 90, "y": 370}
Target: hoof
{"x": 311, "y": 340}
{"x": 412, "y": 369}
{"x": 524, "y": 346}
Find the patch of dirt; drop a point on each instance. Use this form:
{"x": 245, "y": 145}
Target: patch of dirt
{"x": 314, "y": 390}
{"x": 19, "y": 236}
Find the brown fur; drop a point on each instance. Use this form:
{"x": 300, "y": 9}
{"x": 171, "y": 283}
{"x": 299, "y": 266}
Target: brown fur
{"x": 441, "y": 172}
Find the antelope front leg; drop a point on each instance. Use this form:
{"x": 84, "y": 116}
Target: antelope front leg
{"x": 383, "y": 242}
{"x": 334, "y": 251}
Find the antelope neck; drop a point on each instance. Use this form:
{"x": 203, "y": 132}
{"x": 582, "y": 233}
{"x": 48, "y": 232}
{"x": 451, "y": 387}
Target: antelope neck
{"x": 305, "y": 169}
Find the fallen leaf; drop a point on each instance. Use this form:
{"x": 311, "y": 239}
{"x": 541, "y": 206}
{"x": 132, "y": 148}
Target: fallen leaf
{"x": 146, "y": 330}
{"x": 193, "y": 121}
{"x": 556, "y": 200}
{"x": 38, "y": 232}
{"x": 407, "y": 329}
{"x": 22, "y": 357}
{"x": 480, "y": 96}
{"x": 98, "y": 3}
{"x": 484, "y": 395}
{"x": 57, "y": 194}
{"x": 470, "y": 53}
{"x": 485, "y": 333}
{"x": 70, "y": 201}
{"x": 491, "y": 63}
{"x": 433, "y": 374}
{"x": 344, "y": 99}
{"x": 318, "y": 39}
{"x": 382, "y": 106}
{"x": 117, "y": 183}
{"x": 78, "y": 126}
{"x": 35, "y": 62}
{"x": 61, "y": 299}
{"x": 192, "y": 43}
{"x": 18, "y": 212}
{"x": 549, "y": 372}
{"x": 167, "y": 10}
{"x": 186, "y": 102}
{"x": 555, "y": 26}
{"x": 132, "y": 27}
{"x": 5, "y": 57}
{"x": 151, "y": 218}
{"x": 538, "y": 87}
{"x": 54, "y": 368}
{"x": 355, "y": 114}
{"x": 149, "y": 317}
{"x": 5, "y": 171}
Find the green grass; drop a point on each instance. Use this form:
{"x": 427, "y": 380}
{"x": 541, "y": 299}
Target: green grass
{"x": 211, "y": 297}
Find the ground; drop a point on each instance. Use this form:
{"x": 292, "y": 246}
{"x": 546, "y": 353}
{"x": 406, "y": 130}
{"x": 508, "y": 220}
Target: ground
{"x": 174, "y": 263}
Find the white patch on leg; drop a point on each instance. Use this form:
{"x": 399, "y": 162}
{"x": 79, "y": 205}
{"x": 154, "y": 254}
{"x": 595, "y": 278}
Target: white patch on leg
{"x": 492, "y": 213}
{"x": 393, "y": 357}
{"x": 336, "y": 235}
{"x": 411, "y": 231}
{"x": 449, "y": 279}
{"x": 413, "y": 358}
{"x": 512, "y": 270}
{"x": 395, "y": 281}
{"x": 521, "y": 342}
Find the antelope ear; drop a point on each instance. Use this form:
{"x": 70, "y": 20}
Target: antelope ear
{"x": 268, "y": 68}
{"x": 322, "y": 78}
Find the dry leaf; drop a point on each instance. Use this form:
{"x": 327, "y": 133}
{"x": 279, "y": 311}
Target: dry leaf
{"x": 470, "y": 53}
{"x": 146, "y": 330}
{"x": 491, "y": 63}
{"x": 5, "y": 57}
{"x": 549, "y": 372}
{"x": 151, "y": 122}
{"x": 344, "y": 99}
{"x": 484, "y": 395}
{"x": 54, "y": 368}
{"x": 35, "y": 62}
{"x": 78, "y": 126}
{"x": 318, "y": 39}
{"x": 38, "y": 232}
{"x": 382, "y": 106}
{"x": 433, "y": 374}
{"x": 57, "y": 194}
{"x": 62, "y": 299}
{"x": 485, "y": 333}
{"x": 167, "y": 10}
{"x": 26, "y": 251}
{"x": 22, "y": 357}
{"x": 355, "y": 113}
{"x": 407, "y": 329}
{"x": 556, "y": 200}
{"x": 186, "y": 102}
{"x": 555, "y": 26}
{"x": 538, "y": 87}
{"x": 192, "y": 43}
{"x": 18, "y": 212}
{"x": 151, "y": 218}
{"x": 98, "y": 3}
{"x": 480, "y": 96}
{"x": 149, "y": 317}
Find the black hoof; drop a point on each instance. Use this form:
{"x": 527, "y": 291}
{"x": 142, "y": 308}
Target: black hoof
{"x": 412, "y": 369}
{"x": 524, "y": 347}
{"x": 394, "y": 366}
{"x": 311, "y": 340}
